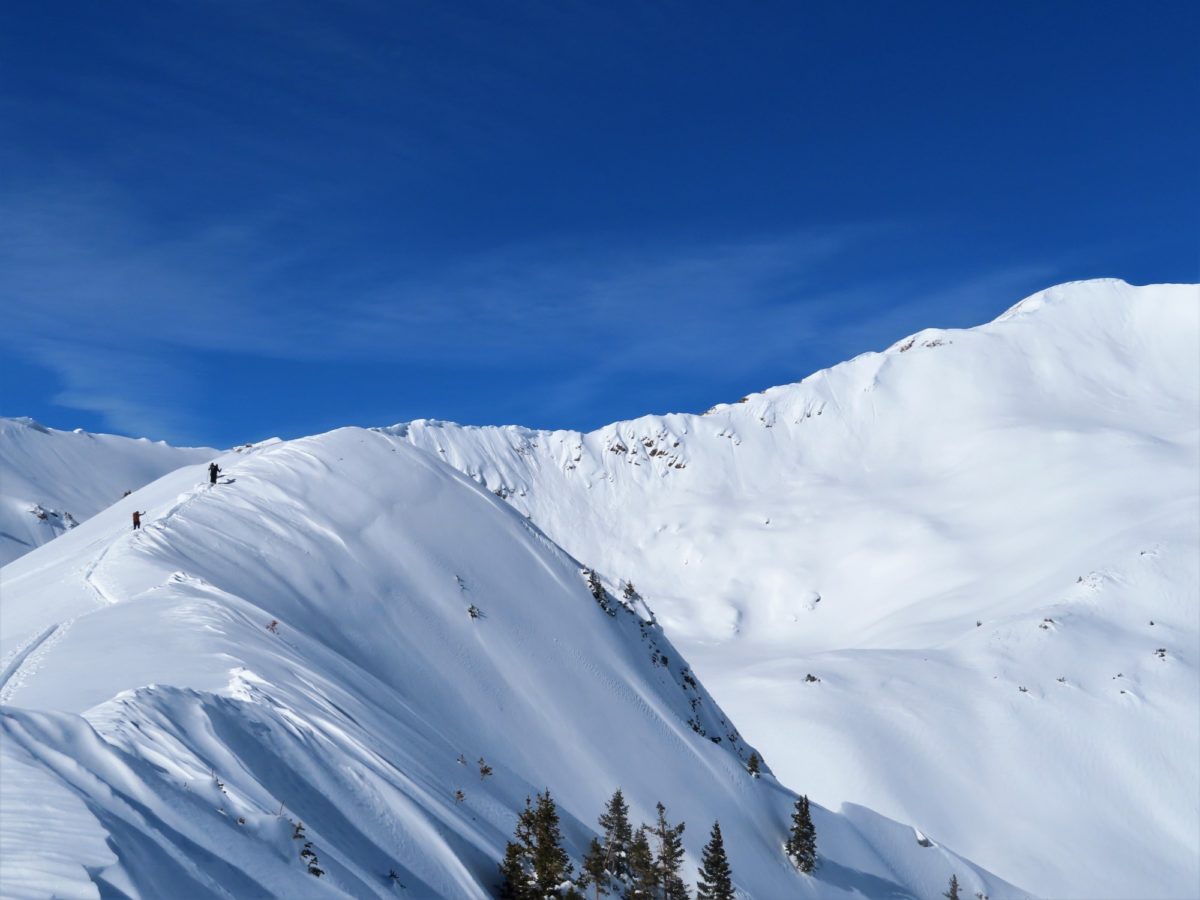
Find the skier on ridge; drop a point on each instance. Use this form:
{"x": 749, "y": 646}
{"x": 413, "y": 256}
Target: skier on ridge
{"x": 137, "y": 519}
{"x": 213, "y": 471}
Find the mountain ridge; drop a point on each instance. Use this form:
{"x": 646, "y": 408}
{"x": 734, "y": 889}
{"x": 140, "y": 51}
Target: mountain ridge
{"x": 1037, "y": 472}
{"x": 50, "y": 480}
{"x": 980, "y": 539}
{"x": 293, "y": 646}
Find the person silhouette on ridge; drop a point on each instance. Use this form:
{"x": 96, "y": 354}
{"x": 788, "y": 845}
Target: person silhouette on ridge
{"x": 137, "y": 519}
{"x": 213, "y": 471}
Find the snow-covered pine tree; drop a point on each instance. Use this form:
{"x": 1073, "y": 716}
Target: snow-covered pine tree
{"x": 534, "y": 861}
{"x": 594, "y": 584}
{"x": 516, "y": 869}
{"x": 551, "y": 865}
{"x": 802, "y": 842}
{"x": 513, "y": 879}
{"x": 643, "y": 879}
{"x": 716, "y": 878}
{"x": 668, "y": 857}
{"x": 598, "y": 591}
{"x": 618, "y": 835}
{"x": 595, "y": 870}
{"x": 753, "y": 766}
{"x": 309, "y": 856}
{"x": 952, "y": 893}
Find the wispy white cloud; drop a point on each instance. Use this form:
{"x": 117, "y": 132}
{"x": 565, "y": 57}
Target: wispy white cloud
{"x": 136, "y": 393}
{"x": 663, "y": 305}
{"x": 121, "y": 311}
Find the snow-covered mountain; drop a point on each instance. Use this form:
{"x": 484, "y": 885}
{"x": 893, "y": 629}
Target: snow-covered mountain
{"x": 51, "y": 480}
{"x": 292, "y": 647}
{"x": 957, "y": 581}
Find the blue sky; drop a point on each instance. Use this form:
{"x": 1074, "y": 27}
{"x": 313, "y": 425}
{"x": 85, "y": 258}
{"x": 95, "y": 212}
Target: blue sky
{"x": 224, "y": 221}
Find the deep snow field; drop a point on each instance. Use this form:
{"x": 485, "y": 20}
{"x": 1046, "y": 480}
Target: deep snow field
{"x": 984, "y": 543}
{"x": 292, "y": 645}
{"x": 981, "y": 544}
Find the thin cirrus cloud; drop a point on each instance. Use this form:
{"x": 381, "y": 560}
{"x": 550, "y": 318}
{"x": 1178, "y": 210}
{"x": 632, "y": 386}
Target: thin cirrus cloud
{"x": 665, "y": 304}
{"x": 136, "y": 393}
{"x": 125, "y": 318}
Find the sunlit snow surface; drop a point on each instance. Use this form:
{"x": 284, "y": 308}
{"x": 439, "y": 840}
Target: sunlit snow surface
{"x": 964, "y": 541}
{"x": 52, "y": 480}
{"x": 293, "y": 645}
{"x": 983, "y": 543}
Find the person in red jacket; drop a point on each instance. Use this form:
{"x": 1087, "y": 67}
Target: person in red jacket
{"x": 137, "y": 519}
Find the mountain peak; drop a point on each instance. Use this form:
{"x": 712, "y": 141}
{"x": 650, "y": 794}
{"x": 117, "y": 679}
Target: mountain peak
{"x": 940, "y": 532}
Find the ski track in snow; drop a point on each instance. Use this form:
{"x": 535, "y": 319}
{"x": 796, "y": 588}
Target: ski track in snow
{"x": 40, "y": 466}
{"x": 89, "y": 576}
{"x": 25, "y": 660}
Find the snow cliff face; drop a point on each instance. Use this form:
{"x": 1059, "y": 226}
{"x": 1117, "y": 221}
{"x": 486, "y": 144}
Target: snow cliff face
{"x": 956, "y": 581}
{"x": 292, "y": 647}
{"x": 51, "y": 480}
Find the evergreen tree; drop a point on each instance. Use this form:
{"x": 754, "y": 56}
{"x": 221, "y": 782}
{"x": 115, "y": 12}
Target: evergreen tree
{"x": 668, "y": 857}
{"x": 551, "y": 865}
{"x": 516, "y": 869}
{"x": 753, "y": 765}
{"x": 802, "y": 842}
{"x": 310, "y": 860}
{"x": 535, "y": 864}
{"x": 618, "y": 835}
{"x": 642, "y": 876}
{"x": 595, "y": 870}
{"x": 514, "y": 882}
{"x": 716, "y": 878}
{"x": 952, "y": 894}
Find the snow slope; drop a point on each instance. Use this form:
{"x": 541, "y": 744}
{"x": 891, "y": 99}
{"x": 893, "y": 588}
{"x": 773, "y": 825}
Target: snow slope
{"x": 51, "y": 480}
{"x": 293, "y": 646}
{"x": 983, "y": 544}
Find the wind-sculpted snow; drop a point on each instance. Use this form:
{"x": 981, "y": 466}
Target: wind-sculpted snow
{"x": 50, "y": 480}
{"x": 957, "y": 581}
{"x": 289, "y": 652}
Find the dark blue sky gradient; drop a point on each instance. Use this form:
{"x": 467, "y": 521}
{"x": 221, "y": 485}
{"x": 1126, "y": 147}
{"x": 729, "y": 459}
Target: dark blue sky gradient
{"x": 222, "y": 221}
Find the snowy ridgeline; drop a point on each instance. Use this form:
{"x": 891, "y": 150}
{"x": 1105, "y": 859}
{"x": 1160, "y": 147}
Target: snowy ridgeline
{"x": 51, "y": 480}
{"x": 956, "y": 581}
{"x": 341, "y": 671}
